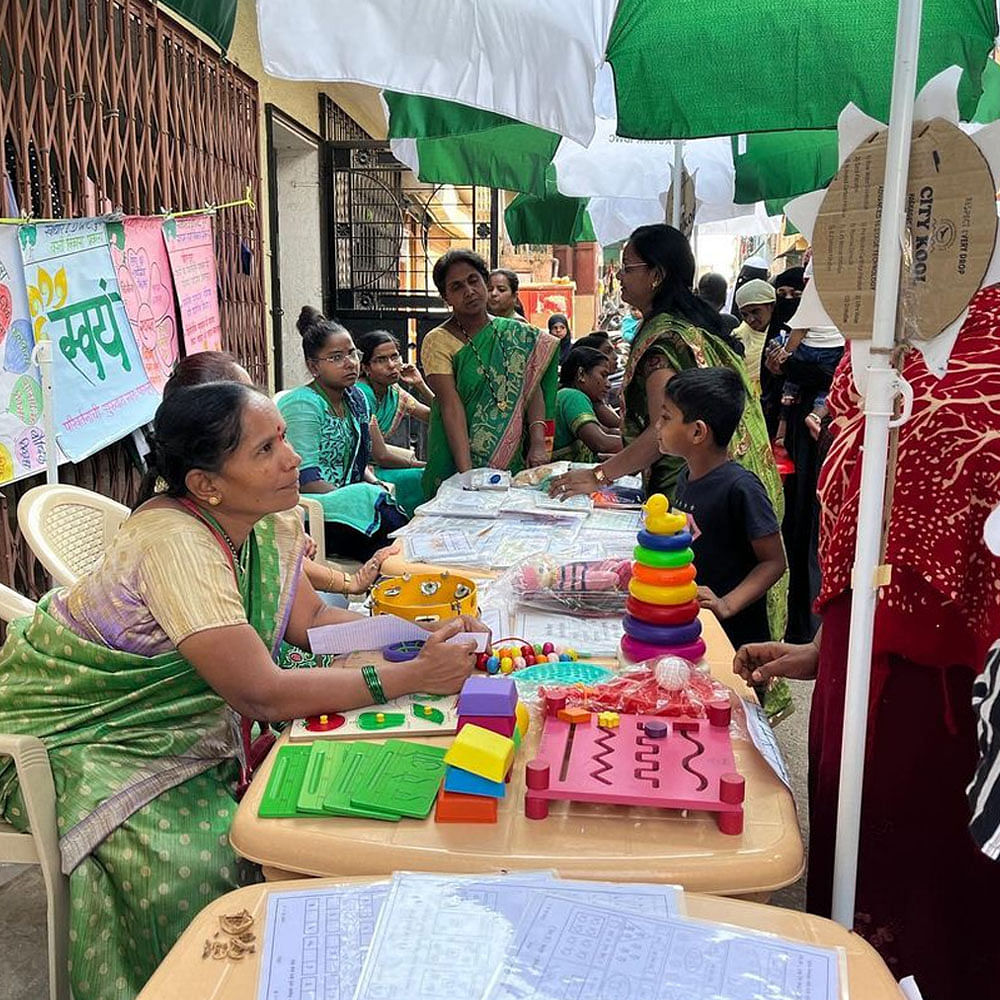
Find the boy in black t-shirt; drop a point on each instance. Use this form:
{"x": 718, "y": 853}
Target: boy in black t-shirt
{"x": 737, "y": 540}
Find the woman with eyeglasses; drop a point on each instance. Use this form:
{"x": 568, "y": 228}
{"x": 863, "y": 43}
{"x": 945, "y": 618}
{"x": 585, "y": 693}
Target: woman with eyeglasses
{"x": 494, "y": 380}
{"x": 383, "y": 375}
{"x": 330, "y": 425}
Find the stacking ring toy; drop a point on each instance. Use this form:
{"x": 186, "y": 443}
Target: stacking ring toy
{"x": 400, "y": 652}
{"x": 662, "y": 614}
{"x": 635, "y": 651}
{"x": 662, "y": 635}
{"x": 665, "y": 543}
{"x": 662, "y": 560}
{"x": 663, "y": 577}
{"x": 668, "y": 523}
{"x": 662, "y": 595}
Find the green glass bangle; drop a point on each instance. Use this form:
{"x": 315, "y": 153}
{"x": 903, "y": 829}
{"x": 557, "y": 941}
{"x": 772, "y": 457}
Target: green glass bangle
{"x": 371, "y": 679}
{"x": 663, "y": 560}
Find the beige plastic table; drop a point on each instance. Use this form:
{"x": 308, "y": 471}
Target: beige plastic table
{"x": 184, "y": 973}
{"x": 616, "y": 843}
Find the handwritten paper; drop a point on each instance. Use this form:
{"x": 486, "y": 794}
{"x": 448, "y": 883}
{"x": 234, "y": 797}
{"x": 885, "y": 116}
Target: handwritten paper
{"x": 143, "y": 271}
{"x": 564, "y": 949}
{"x": 101, "y": 390}
{"x": 763, "y": 738}
{"x": 453, "y": 931}
{"x": 22, "y": 439}
{"x": 191, "y": 251}
{"x": 315, "y": 941}
{"x": 377, "y": 633}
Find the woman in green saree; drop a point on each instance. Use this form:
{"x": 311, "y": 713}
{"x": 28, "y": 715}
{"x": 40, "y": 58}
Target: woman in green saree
{"x": 678, "y": 331}
{"x": 583, "y": 386}
{"x": 135, "y": 677}
{"x": 494, "y": 380}
{"x": 330, "y": 424}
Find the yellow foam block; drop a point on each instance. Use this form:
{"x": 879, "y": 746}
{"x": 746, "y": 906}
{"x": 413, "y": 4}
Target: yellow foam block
{"x": 482, "y": 752}
{"x": 523, "y": 718}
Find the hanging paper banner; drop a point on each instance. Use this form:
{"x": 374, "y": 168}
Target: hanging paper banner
{"x": 22, "y": 440}
{"x": 191, "y": 249}
{"x": 143, "y": 271}
{"x": 100, "y": 388}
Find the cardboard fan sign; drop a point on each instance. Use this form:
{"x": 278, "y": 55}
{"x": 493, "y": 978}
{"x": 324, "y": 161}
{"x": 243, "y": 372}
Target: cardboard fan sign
{"x": 951, "y": 225}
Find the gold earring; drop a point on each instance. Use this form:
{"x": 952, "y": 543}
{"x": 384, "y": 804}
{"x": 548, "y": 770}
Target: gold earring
{"x": 215, "y": 501}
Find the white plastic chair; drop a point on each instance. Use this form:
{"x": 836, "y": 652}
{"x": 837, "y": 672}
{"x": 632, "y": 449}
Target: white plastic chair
{"x": 40, "y": 846}
{"x": 68, "y": 528}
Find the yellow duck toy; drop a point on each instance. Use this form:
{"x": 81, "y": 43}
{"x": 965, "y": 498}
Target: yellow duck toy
{"x": 659, "y": 518}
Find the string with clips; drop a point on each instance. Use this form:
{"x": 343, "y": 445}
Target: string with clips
{"x": 26, "y": 219}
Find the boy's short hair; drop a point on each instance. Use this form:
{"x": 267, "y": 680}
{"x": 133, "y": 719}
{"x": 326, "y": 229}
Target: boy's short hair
{"x": 714, "y": 395}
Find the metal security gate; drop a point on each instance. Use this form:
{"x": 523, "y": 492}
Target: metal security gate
{"x": 385, "y": 230}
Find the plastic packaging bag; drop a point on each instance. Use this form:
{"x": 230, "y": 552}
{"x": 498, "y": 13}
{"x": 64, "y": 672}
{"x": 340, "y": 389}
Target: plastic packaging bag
{"x": 589, "y": 587}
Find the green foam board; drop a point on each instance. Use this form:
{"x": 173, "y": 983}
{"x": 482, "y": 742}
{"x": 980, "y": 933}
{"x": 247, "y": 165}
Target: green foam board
{"x": 405, "y": 779}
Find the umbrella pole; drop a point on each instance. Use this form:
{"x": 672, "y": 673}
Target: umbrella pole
{"x": 883, "y": 385}
{"x": 676, "y": 183}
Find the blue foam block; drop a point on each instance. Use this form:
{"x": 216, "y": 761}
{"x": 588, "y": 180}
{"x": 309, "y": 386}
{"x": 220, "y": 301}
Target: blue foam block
{"x": 467, "y": 783}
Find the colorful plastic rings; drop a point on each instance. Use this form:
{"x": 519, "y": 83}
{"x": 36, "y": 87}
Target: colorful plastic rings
{"x": 665, "y": 543}
{"x": 663, "y": 577}
{"x": 662, "y": 595}
{"x": 667, "y": 523}
{"x": 662, "y": 614}
{"x": 662, "y": 635}
{"x": 662, "y": 560}
{"x": 635, "y": 651}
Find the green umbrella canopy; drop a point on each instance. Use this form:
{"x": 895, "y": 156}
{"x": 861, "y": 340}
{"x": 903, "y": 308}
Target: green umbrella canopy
{"x": 549, "y": 218}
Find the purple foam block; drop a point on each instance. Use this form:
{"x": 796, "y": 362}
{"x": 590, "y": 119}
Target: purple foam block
{"x": 488, "y": 696}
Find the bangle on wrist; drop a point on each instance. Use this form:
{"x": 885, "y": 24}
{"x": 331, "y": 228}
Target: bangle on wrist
{"x": 373, "y": 683}
{"x": 600, "y": 475}
{"x": 347, "y": 585}
{"x": 533, "y": 422}
{"x": 331, "y": 584}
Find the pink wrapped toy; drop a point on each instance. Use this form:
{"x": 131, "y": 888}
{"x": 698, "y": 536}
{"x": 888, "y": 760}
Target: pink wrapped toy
{"x": 597, "y": 587}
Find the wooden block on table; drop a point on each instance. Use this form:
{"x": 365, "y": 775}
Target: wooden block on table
{"x": 456, "y": 808}
{"x": 482, "y": 752}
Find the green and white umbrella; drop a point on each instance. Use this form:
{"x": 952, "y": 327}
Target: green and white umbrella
{"x": 683, "y": 69}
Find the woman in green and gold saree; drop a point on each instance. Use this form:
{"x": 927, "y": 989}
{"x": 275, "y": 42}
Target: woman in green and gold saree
{"x": 678, "y": 331}
{"x": 494, "y": 380}
{"x": 135, "y": 679}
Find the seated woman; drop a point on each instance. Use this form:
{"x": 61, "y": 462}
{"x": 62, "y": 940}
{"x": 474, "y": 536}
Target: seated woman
{"x": 583, "y": 385}
{"x": 606, "y": 410}
{"x": 382, "y": 371}
{"x": 220, "y": 366}
{"x": 330, "y": 425}
{"x": 494, "y": 380}
{"x": 153, "y": 653}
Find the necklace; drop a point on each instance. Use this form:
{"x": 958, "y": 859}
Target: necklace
{"x": 502, "y": 389}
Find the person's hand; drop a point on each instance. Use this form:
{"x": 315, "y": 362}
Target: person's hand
{"x": 470, "y": 623}
{"x": 410, "y": 375}
{"x": 310, "y": 550}
{"x": 814, "y": 424}
{"x": 537, "y": 455}
{"x": 758, "y": 662}
{"x": 442, "y": 667}
{"x": 707, "y": 598}
{"x": 776, "y": 357}
{"x": 572, "y": 483}
{"x": 369, "y": 572}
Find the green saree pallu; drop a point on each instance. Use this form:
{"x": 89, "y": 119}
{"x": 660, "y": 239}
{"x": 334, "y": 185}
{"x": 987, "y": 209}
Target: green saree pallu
{"x": 496, "y": 374}
{"x": 685, "y": 346}
{"x": 574, "y": 409}
{"x": 145, "y": 757}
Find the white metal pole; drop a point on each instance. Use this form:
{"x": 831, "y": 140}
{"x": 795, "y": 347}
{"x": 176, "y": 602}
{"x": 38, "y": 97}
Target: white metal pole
{"x": 882, "y": 387}
{"x": 42, "y": 356}
{"x": 677, "y": 183}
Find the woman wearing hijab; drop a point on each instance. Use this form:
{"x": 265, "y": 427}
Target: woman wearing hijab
{"x": 559, "y": 328}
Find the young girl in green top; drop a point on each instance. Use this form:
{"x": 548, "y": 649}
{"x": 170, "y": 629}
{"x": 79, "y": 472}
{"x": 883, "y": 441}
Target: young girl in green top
{"x": 583, "y": 385}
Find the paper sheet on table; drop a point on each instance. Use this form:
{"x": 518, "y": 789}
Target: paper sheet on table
{"x": 565, "y": 949}
{"x": 602, "y": 544}
{"x": 376, "y": 633}
{"x": 510, "y": 541}
{"x": 448, "y": 547}
{"x": 763, "y": 738}
{"x": 315, "y": 941}
{"x": 464, "y": 503}
{"x": 614, "y": 520}
{"x": 453, "y": 931}
{"x": 591, "y": 636}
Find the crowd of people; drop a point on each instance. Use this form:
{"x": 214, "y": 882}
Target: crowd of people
{"x": 151, "y": 675}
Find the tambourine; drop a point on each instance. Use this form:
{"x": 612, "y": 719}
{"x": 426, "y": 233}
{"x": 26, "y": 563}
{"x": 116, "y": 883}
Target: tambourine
{"x": 425, "y": 597}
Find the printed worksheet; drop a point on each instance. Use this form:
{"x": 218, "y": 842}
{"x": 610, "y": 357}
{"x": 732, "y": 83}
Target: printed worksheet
{"x": 593, "y": 636}
{"x": 447, "y": 547}
{"x": 376, "y": 633}
{"x": 315, "y": 941}
{"x": 601, "y": 519}
{"x": 567, "y": 949}
{"x": 444, "y": 937}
